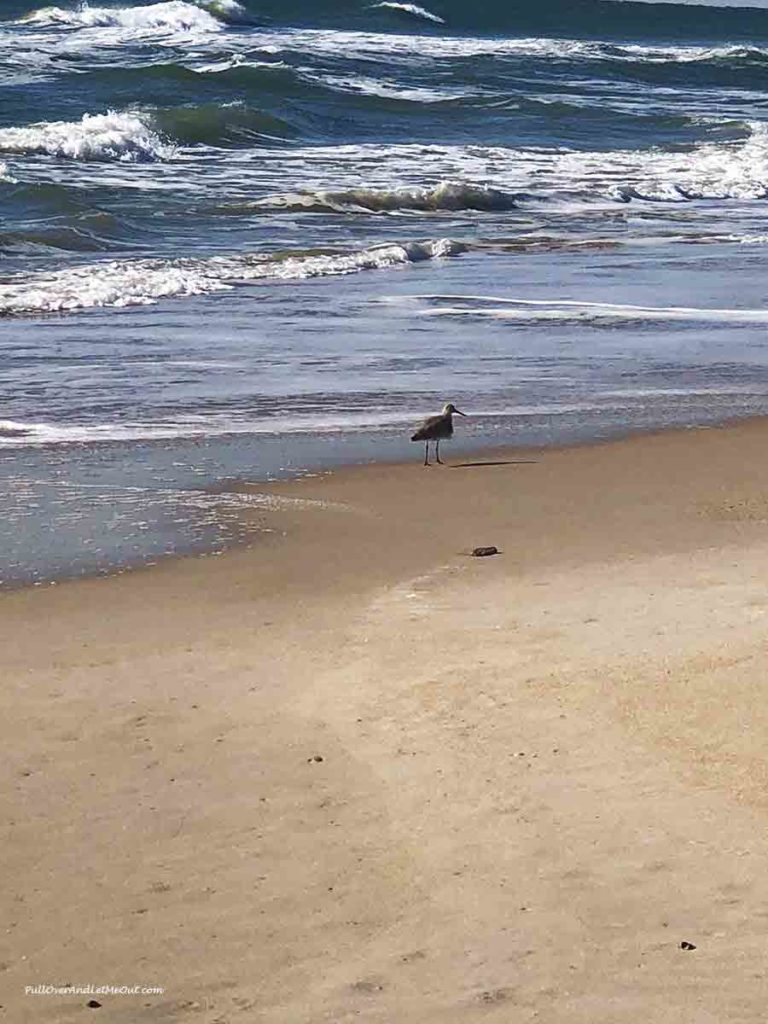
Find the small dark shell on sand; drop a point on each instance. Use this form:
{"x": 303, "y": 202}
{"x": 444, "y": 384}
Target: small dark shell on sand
{"x": 484, "y": 552}
{"x": 93, "y": 1005}
{"x": 687, "y": 945}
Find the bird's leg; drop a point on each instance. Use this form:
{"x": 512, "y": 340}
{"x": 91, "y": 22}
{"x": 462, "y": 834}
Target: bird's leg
{"x": 437, "y": 452}
{"x": 426, "y": 453}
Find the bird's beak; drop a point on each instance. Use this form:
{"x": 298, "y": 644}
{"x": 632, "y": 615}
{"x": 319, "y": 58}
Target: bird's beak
{"x": 460, "y": 413}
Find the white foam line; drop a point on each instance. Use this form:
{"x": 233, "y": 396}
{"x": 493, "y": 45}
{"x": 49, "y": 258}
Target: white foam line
{"x": 143, "y": 282}
{"x": 404, "y": 45}
{"x": 558, "y": 306}
{"x": 213, "y": 497}
{"x": 39, "y": 434}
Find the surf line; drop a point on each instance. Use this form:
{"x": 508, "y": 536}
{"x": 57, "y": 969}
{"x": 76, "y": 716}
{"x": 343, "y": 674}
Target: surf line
{"x": 752, "y": 315}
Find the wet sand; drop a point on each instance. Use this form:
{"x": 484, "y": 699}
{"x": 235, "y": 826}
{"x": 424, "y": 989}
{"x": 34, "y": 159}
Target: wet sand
{"x": 354, "y": 773}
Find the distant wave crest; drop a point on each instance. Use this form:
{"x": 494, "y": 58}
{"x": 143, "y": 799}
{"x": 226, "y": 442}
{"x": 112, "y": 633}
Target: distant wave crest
{"x": 143, "y": 282}
{"x": 445, "y": 196}
{"x": 419, "y": 12}
{"x": 124, "y": 137}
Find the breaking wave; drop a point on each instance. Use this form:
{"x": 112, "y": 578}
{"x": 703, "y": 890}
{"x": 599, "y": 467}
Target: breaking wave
{"x": 124, "y": 137}
{"x": 447, "y": 196}
{"x": 169, "y": 16}
{"x": 732, "y": 169}
{"x": 727, "y": 170}
{"x": 142, "y": 282}
{"x": 718, "y": 170}
{"x": 498, "y": 179}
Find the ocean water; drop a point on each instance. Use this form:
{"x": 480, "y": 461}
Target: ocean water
{"x": 247, "y": 239}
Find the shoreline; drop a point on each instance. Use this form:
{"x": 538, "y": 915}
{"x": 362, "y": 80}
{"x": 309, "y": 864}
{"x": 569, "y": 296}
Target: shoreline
{"x": 355, "y": 772}
{"x": 245, "y": 536}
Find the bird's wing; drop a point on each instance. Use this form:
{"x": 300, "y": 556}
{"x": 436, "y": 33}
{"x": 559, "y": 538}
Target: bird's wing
{"x": 424, "y": 430}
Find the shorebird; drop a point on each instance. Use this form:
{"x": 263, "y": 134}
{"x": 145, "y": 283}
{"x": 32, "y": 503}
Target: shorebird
{"x": 437, "y": 428}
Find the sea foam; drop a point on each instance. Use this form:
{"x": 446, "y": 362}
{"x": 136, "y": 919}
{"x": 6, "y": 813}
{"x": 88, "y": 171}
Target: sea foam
{"x": 403, "y": 47}
{"x": 125, "y": 137}
{"x": 735, "y": 169}
{"x": 143, "y": 282}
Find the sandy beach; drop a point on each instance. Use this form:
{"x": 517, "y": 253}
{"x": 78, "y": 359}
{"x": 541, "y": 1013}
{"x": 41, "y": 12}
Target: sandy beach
{"x": 354, "y": 773}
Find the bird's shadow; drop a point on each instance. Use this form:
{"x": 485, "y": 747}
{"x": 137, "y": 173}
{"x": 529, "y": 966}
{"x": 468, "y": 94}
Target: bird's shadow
{"x": 502, "y": 462}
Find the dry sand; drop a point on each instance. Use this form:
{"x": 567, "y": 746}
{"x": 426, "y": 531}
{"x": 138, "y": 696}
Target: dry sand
{"x": 353, "y": 774}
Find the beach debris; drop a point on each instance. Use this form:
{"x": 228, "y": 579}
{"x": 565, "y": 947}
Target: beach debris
{"x": 315, "y": 757}
{"x": 496, "y": 995}
{"x": 417, "y": 954}
{"x": 93, "y": 1004}
{"x": 687, "y": 945}
{"x": 484, "y": 552}
{"x": 369, "y": 986}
